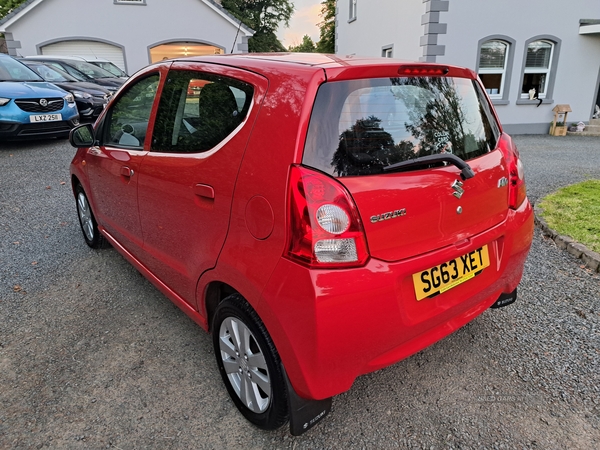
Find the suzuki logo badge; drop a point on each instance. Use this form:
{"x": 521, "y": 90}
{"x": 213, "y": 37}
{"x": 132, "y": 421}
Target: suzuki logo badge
{"x": 458, "y": 189}
{"x": 44, "y": 102}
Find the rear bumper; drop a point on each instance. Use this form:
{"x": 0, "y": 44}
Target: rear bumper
{"x": 331, "y": 326}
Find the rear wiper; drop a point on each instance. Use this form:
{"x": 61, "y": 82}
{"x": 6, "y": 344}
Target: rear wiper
{"x": 465, "y": 170}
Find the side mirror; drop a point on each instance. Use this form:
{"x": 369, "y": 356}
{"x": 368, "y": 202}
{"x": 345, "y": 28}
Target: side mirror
{"x": 82, "y": 136}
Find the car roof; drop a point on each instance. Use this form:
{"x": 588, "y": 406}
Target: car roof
{"x": 306, "y": 59}
{"x": 52, "y": 58}
{"x": 337, "y": 67}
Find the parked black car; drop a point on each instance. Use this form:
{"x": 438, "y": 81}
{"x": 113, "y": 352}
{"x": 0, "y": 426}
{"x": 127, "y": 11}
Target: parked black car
{"x": 81, "y": 70}
{"x": 90, "y": 98}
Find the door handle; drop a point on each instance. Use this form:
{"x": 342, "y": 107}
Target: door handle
{"x": 126, "y": 172}
{"x": 204, "y": 190}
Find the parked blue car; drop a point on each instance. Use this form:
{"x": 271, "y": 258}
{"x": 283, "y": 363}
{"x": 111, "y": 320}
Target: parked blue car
{"x": 30, "y": 108}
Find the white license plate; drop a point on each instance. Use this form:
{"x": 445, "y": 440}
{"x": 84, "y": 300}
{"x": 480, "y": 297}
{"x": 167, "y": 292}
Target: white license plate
{"x": 45, "y": 118}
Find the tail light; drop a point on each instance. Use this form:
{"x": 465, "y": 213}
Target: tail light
{"x": 325, "y": 230}
{"x": 423, "y": 70}
{"x": 517, "y": 191}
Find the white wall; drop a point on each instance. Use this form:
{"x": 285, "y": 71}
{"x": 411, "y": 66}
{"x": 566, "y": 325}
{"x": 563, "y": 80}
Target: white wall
{"x": 134, "y": 27}
{"x": 578, "y": 63}
{"x": 379, "y": 23}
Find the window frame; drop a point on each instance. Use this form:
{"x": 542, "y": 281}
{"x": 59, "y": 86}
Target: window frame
{"x": 387, "y": 51}
{"x": 547, "y": 96}
{"x": 352, "y": 10}
{"x": 130, "y": 2}
{"x": 503, "y": 97}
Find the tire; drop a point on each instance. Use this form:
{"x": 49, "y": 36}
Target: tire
{"x": 87, "y": 221}
{"x": 249, "y": 364}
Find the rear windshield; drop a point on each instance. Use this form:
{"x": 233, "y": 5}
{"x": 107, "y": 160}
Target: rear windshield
{"x": 359, "y": 127}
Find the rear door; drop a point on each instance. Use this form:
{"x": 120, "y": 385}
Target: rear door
{"x": 360, "y": 127}
{"x": 187, "y": 180}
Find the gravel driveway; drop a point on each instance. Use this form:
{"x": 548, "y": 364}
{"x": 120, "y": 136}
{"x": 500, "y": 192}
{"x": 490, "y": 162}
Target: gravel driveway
{"x": 92, "y": 356}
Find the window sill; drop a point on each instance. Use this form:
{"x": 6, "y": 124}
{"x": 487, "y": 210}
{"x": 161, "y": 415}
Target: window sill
{"x": 352, "y": 20}
{"x": 499, "y": 101}
{"x": 526, "y": 101}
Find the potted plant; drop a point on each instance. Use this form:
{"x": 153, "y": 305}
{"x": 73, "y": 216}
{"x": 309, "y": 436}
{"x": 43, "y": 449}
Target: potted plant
{"x": 559, "y": 129}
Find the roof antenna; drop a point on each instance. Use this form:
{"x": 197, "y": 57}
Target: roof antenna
{"x": 236, "y": 36}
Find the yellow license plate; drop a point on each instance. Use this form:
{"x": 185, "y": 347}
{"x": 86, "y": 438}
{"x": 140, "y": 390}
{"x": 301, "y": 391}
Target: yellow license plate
{"x": 439, "y": 279}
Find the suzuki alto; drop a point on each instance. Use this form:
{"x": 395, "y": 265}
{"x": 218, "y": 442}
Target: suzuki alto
{"x": 323, "y": 217}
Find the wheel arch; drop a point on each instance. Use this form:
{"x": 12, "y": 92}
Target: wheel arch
{"x": 215, "y": 293}
{"x": 74, "y": 183}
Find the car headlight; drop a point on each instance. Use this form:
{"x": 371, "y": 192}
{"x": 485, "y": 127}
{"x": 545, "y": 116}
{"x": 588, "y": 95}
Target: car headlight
{"x": 4, "y": 101}
{"x": 80, "y": 94}
{"x": 69, "y": 98}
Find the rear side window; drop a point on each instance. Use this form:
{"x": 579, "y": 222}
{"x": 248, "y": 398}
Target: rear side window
{"x": 359, "y": 127}
{"x": 197, "y": 111}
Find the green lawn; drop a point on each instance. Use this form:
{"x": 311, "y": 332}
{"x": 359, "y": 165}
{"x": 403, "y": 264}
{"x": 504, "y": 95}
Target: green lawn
{"x": 575, "y": 211}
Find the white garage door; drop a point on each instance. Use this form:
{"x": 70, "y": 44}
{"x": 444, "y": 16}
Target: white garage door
{"x": 86, "y": 49}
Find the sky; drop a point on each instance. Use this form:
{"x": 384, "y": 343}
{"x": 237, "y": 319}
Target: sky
{"x": 304, "y": 21}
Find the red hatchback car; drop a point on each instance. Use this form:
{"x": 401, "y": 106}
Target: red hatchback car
{"x": 322, "y": 217}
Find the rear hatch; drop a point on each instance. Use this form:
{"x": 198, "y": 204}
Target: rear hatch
{"x": 362, "y": 130}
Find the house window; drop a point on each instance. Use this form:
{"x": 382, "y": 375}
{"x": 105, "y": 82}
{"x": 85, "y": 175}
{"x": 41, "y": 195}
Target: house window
{"x": 387, "y": 52}
{"x": 538, "y": 69}
{"x": 494, "y": 65}
{"x": 493, "y": 57}
{"x": 130, "y": 2}
{"x": 352, "y": 10}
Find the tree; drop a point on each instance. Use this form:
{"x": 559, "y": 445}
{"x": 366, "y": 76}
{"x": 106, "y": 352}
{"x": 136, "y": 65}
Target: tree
{"x": 7, "y": 6}
{"x": 307, "y": 45}
{"x": 326, "y": 42}
{"x": 264, "y": 17}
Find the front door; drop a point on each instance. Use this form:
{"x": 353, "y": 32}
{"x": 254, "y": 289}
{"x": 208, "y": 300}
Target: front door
{"x": 113, "y": 165}
{"x": 187, "y": 180}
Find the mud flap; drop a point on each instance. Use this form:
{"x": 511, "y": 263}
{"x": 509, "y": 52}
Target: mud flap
{"x": 304, "y": 413}
{"x": 505, "y": 299}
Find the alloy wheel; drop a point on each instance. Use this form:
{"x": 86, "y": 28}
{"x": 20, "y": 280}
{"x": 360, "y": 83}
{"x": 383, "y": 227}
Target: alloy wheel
{"x": 245, "y": 365}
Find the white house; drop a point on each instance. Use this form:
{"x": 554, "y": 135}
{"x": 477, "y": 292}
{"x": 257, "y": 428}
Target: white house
{"x": 130, "y": 33}
{"x": 516, "y": 46}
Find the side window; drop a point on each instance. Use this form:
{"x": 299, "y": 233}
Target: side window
{"x": 197, "y": 111}
{"x": 47, "y": 73}
{"x": 127, "y": 121}
{"x": 70, "y": 70}
{"x": 56, "y": 65}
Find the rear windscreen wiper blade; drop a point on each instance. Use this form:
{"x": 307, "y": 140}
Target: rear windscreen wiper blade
{"x": 465, "y": 170}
